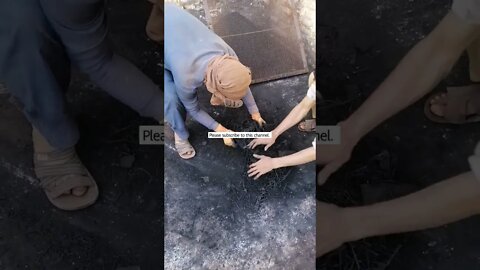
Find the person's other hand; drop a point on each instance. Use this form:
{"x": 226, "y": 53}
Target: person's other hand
{"x": 227, "y": 141}
{"x": 333, "y": 156}
{"x": 268, "y": 142}
{"x": 262, "y": 166}
{"x": 332, "y": 228}
{"x": 258, "y": 118}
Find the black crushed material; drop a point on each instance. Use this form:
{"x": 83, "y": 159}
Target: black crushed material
{"x": 251, "y": 194}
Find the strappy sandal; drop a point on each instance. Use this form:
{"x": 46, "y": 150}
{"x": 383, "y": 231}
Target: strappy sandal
{"x": 183, "y": 147}
{"x": 457, "y": 101}
{"x": 228, "y": 103}
{"x": 60, "y": 172}
{"x": 307, "y": 125}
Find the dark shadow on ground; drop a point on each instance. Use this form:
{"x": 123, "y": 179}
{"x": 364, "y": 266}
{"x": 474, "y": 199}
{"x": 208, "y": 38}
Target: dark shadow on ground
{"x": 125, "y": 227}
{"x": 359, "y": 43}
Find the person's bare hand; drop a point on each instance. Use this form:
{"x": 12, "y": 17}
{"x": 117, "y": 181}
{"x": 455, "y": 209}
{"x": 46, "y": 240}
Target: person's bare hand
{"x": 268, "y": 142}
{"x": 333, "y": 156}
{"x": 258, "y": 118}
{"x": 227, "y": 141}
{"x": 332, "y": 230}
{"x": 262, "y": 166}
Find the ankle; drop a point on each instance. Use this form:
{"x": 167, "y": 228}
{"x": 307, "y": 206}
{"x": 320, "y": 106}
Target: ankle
{"x": 178, "y": 139}
{"x": 40, "y": 143}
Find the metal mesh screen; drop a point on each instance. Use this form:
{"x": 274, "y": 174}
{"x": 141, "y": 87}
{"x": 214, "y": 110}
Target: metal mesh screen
{"x": 264, "y": 34}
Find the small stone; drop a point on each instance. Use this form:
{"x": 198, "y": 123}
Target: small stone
{"x": 127, "y": 161}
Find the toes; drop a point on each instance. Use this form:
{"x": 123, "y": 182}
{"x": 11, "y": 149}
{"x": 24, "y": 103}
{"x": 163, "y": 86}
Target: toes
{"x": 79, "y": 191}
{"x": 438, "y": 104}
{"x": 439, "y": 99}
{"x": 438, "y": 110}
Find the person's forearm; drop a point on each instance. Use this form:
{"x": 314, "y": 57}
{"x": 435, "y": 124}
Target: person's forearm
{"x": 250, "y": 103}
{"x": 298, "y": 158}
{"x": 417, "y": 74}
{"x": 204, "y": 119}
{"x": 448, "y": 201}
{"x": 295, "y": 116}
{"x": 189, "y": 99}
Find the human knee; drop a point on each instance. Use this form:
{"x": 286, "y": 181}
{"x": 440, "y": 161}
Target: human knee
{"x": 94, "y": 62}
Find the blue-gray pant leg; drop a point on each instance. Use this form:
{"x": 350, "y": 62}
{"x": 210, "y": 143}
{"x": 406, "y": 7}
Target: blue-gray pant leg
{"x": 36, "y": 70}
{"x": 82, "y": 27}
{"x": 175, "y": 112}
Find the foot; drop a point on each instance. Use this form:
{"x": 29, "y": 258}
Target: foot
{"x": 42, "y": 148}
{"x": 184, "y": 148}
{"x": 307, "y": 125}
{"x": 438, "y": 106}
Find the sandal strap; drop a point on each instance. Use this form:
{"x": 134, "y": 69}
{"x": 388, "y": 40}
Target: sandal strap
{"x": 310, "y": 124}
{"x": 57, "y": 186}
{"x": 44, "y": 172}
{"x": 458, "y": 100}
{"x": 183, "y": 147}
{"x": 56, "y": 164}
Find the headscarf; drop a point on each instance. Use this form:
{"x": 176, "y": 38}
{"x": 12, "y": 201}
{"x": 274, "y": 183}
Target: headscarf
{"x": 227, "y": 78}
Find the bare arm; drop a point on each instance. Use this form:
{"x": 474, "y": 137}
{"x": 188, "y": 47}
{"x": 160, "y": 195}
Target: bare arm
{"x": 416, "y": 75}
{"x": 448, "y": 201}
{"x": 298, "y": 158}
{"x": 266, "y": 164}
{"x": 296, "y": 115}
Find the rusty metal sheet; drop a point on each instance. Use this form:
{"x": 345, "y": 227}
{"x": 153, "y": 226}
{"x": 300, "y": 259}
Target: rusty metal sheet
{"x": 264, "y": 34}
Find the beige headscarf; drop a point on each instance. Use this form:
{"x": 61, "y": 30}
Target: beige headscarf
{"x": 227, "y": 78}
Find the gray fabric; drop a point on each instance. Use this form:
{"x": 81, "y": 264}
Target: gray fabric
{"x": 40, "y": 38}
{"x": 175, "y": 112}
{"x": 189, "y": 47}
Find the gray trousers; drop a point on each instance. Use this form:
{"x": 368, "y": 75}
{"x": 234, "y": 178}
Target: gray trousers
{"x": 175, "y": 112}
{"x": 41, "y": 39}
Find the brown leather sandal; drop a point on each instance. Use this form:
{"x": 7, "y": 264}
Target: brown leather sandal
{"x": 307, "y": 125}
{"x": 456, "y": 106}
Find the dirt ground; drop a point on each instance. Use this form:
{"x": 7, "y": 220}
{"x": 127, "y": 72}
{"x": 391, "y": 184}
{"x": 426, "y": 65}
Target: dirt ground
{"x": 125, "y": 227}
{"x": 218, "y": 218}
{"x": 359, "y": 43}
